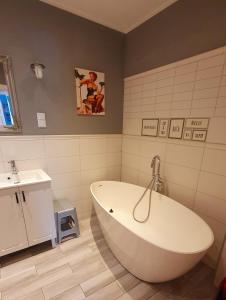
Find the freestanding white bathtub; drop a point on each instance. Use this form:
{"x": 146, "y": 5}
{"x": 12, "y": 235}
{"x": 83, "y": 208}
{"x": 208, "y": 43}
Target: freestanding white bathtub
{"x": 169, "y": 244}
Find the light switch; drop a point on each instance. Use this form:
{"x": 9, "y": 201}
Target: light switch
{"x": 41, "y": 118}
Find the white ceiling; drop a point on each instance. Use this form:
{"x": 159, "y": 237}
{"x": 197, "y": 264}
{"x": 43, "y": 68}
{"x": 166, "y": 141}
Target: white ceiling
{"x": 121, "y": 15}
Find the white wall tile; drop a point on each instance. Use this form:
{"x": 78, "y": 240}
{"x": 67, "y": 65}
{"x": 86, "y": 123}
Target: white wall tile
{"x": 207, "y": 83}
{"x": 181, "y": 175}
{"x": 65, "y": 180}
{"x": 130, "y": 175}
{"x": 92, "y": 145}
{"x": 162, "y": 106}
{"x": 212, "y": 184}
{"x": 164, "y": 98}
{"x": 209, "y": 73}
{"x": 185, "y": 78}
{"x": 151, "y": 148}
{"x": 181, "y": 105}
{"x": 211, "y": 206}
{"x": 131, "y": 145}
{"x": 63, "y": 164}
{"x": 165, "y": 74}
{"x": 131, "y": 161}
{"x": 216, "y": 131}
{"x": 164, "y": 90}
{"x": 90, "y": 176}
{"x": 113, "y": 144}
{"x": 91, "y": 162}
{"x": 73, "y": 194}
{"x": 57, "y": 147}
{"x": 183, "y": 87}
{"x": 214, "y": 161}
{"x": 182, "y": 96}
{"x": 185, "y": 156}
{"x": 180, "y": 113}
{"x": 202, "y": 112}
{"x": 113, "y": 159}
{"x": 187, "y": 68}
{"x": 212, "y": 61}
{"x": 206, "y": 93}
{"x": 210, "y": 102}
{"x": 113, "y": 173}
{"x": 164, "y": 82}
{"x": 181, "y": 194}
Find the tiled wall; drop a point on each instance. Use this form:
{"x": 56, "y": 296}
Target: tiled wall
{"x": 194, "y": 172}
{"x": 73, "y": 162}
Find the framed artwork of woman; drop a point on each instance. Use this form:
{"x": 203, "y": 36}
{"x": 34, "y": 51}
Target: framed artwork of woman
{"x": 90, "y": 91}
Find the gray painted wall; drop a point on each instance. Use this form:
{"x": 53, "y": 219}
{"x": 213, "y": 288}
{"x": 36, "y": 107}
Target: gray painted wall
{"x": 186, "y": 28}
{"x": 33, "y": 31}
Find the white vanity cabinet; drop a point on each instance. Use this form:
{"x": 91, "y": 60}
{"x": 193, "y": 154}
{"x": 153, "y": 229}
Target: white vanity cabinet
{"x": 26, "y": 217}
{"x": 13, "y": 236}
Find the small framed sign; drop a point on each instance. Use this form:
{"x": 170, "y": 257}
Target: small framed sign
{"x": 187, "y": 134}
{"x": 197, "y": 123}
{"x": 163, "y": 127}
{"x": 199, "y": 135}
{"x": 176, "y": 128}
{"x": 150, "y": 127}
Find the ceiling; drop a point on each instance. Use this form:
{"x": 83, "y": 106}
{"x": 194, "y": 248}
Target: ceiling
{"x": 121, "y": 15}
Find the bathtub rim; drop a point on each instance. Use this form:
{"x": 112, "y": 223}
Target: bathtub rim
{"x": 143, "y": 238}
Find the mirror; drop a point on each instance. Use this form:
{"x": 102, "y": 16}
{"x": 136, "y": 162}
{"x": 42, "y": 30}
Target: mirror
{"x": 9, "y": 114}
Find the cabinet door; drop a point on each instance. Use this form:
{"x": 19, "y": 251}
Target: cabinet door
{"x": 38, "y": 211}
{"x": 13, "y": 235}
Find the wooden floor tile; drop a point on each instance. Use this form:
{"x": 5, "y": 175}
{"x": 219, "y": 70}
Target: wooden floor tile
{"x": 98, "y": 282}
{"x": 74, "y": 293}
{"x": 109, "y": 292}
{"x": 37, "y": 295}
{"x": 34, "y": 283}
{"x": 142, "y": 291}
{"x": 128, "y": 281}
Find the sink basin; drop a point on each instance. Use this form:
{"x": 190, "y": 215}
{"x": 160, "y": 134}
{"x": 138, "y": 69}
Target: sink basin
{"x": 7, "y": 180}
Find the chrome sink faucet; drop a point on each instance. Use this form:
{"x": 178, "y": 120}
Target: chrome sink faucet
{"x": 13, "y": 167}
{"x": 14, "y": 171}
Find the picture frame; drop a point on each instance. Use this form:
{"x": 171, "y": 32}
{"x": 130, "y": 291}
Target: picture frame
{"x": 90, "y": 92}
{"x": 149, "y": 127}
{"x": 176, "y": 128}
{"x": 163, "y": 129}
{"x": 187, "y": 135}
{"x": 197, "y": 123}
{"x": 199, "y": 135}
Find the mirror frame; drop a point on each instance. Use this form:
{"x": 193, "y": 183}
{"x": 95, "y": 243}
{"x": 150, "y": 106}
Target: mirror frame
{"x": 7, "y": 67}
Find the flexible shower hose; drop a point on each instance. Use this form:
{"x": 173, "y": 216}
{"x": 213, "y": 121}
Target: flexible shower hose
{"x": 150, "y": 185}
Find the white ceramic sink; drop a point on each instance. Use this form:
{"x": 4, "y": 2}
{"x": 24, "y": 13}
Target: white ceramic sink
{"x": 7, "y": 180}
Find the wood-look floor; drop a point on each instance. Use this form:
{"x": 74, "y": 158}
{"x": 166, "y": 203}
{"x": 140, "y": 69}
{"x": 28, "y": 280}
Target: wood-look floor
{"x": 85, "y": 268}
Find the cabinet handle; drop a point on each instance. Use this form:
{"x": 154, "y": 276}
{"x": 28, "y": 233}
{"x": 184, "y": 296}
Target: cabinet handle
{"x": 17, "y": 199}
{"x": 24, "y": 198}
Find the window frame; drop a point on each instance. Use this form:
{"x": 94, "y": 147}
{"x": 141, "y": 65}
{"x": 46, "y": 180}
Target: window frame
{"x": 8, "y": 71}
